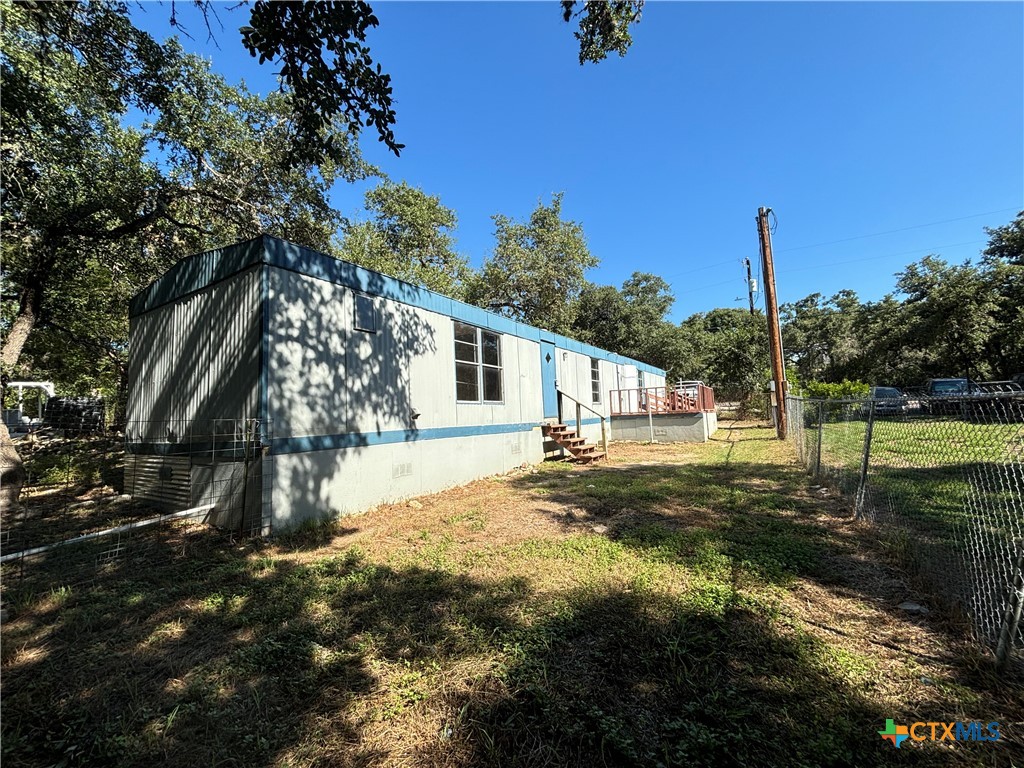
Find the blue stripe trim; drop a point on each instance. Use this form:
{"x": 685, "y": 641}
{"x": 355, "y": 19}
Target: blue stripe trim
{"x": 307, "y": 443}
{"x": 228, "y": 450}
{"x": 203, "y": 269}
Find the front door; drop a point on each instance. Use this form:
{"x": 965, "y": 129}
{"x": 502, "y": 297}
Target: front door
{"x": 547, "y": 379}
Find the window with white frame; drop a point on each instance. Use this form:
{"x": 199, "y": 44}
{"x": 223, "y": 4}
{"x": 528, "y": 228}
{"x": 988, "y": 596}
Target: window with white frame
{"x": 477, "y": 365}
{"x": 595, "y": 379}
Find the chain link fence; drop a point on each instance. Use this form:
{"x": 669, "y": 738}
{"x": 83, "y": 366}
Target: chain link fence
{"x": 944, "y": 478}
{"x": 96, "y": 503}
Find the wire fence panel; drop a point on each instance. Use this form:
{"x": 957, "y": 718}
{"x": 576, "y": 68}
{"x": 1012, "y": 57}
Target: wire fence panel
{"x": 944, "y": 477}
{"x": 96, "y": 503}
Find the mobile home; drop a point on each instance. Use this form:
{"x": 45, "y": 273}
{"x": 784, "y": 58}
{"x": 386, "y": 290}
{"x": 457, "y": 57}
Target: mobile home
{"x": 279, "y": 384}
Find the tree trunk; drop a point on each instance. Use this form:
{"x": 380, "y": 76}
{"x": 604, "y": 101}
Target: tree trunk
{"x": 12, "y": 471}
{"x": 24, "y": 322}
{"x": 19, "y": 330}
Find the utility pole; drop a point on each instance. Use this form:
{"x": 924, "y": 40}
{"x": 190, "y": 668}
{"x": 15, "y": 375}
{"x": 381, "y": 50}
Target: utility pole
{"x": 771, "y": 309}
{"x": 750, "y": 286}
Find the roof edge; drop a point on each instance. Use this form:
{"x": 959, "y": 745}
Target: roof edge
{"x": 196, "y": 272}
{"x": 201, "y": 270}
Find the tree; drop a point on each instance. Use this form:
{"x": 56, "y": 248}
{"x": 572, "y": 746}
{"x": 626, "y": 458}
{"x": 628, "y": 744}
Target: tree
{"x": 537, "y": 271}
{"x": 86, "y": 193}
{"x": 729, "y": 351}
{"x": 822, "y": 337}
{"x": 632, "y": 322}
{"x": 1004, "y": 261}
{"x": 603, "y": 26}
{"x": 408, "y": 236}
{"x": 1006, "y": 243}
{"x": 323, "y": 60}
{"x": 950, "y": 313}
{"x": 211, "y": 164}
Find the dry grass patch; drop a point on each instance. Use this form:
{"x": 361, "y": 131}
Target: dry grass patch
{"x": 691, "y": 605}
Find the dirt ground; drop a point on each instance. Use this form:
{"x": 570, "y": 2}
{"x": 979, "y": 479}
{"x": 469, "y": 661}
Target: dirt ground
{"x": 672, "y": 605}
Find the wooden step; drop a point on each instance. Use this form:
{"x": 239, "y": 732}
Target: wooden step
{"x": 549, "y": 428}
{"x": 590, "y": 458}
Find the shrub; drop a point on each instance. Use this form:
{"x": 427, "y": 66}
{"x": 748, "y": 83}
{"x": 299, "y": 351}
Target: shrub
{"x": 843, "y": 390}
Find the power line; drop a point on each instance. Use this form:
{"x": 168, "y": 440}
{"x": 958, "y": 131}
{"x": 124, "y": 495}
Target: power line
{"x": 875, "y": 258}
{"x": 893, "y": 231}
{"x": 760, "y": 295}
{"x": 705, "y": 287}
{"x": 697, "y": 269}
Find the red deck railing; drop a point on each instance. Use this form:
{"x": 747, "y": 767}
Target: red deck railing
{"x": 643, "y": 400}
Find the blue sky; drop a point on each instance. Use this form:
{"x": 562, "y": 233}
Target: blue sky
{"x": 849, "y": 120}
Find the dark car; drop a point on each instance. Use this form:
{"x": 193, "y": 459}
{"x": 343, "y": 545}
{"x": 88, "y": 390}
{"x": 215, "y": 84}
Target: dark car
{"x": 967, "y": 398}
{"x": 889, "y": 401}
{"x": 949, "y": 396}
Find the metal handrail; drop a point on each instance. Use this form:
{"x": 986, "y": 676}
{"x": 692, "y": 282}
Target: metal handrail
{"x": 579, "y": 417}
{"x": 566, "y": 394}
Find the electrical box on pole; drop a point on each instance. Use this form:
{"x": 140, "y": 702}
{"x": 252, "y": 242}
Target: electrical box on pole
{"x": 751, "y": 286}
{"x": 771, "y": 308}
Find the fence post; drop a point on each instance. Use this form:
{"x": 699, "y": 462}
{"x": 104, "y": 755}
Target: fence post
{"x": 863, "y": 484}
{"x": 817, "y": 453}
{"x": 1011, "y": 619}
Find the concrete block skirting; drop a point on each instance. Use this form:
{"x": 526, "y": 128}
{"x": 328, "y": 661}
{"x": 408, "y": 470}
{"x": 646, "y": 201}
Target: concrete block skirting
{"x": 668, "y": 427}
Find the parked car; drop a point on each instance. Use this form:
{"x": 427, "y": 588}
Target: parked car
{"x": 967, "y": 398}
{"x": 949, "y": 396}
{"x": 889, "y": 401}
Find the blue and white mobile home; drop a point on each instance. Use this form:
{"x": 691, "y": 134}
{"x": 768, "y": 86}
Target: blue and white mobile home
{"x": 278, "y": 380}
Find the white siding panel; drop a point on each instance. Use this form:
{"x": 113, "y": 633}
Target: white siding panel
{"x": 324, "y": 484}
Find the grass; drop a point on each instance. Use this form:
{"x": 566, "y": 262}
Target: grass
{"x": 947, "y": 493}
{"x": 676, "y": 606}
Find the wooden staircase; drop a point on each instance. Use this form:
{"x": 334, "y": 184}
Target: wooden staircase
{"x": 582, "y": 452}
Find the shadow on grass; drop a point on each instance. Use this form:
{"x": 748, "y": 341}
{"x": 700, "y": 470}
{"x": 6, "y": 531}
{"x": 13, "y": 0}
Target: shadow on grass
{"x": 626, "y": 678}
{"x": 754, "y": 511}
{"x": 772, "y": 530}
{"x": 235, "y": 659}
{"x": 238, "y": 656}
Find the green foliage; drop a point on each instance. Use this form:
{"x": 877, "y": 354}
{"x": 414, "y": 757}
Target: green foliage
{"x": 943, "y": 320}
{"x": 632, "y": 321}
{"x": 730, "y": 349}
{"x": 822, "y": 336}
{"x": 96, "y": 207}
{"x": 1006, "y": 243}
{"x": 536, "y": 273}
{"x": 345, "y": 86}
{"x": 408, "y": 236}
{"x": 603, "y": 26}
{"x": 842, "y": 390}
{"x": 950, "y": 313}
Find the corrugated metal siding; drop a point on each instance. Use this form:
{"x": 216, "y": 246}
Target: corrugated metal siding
{"x": 163, "y": 480}
{"x": 196, "y": 360}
